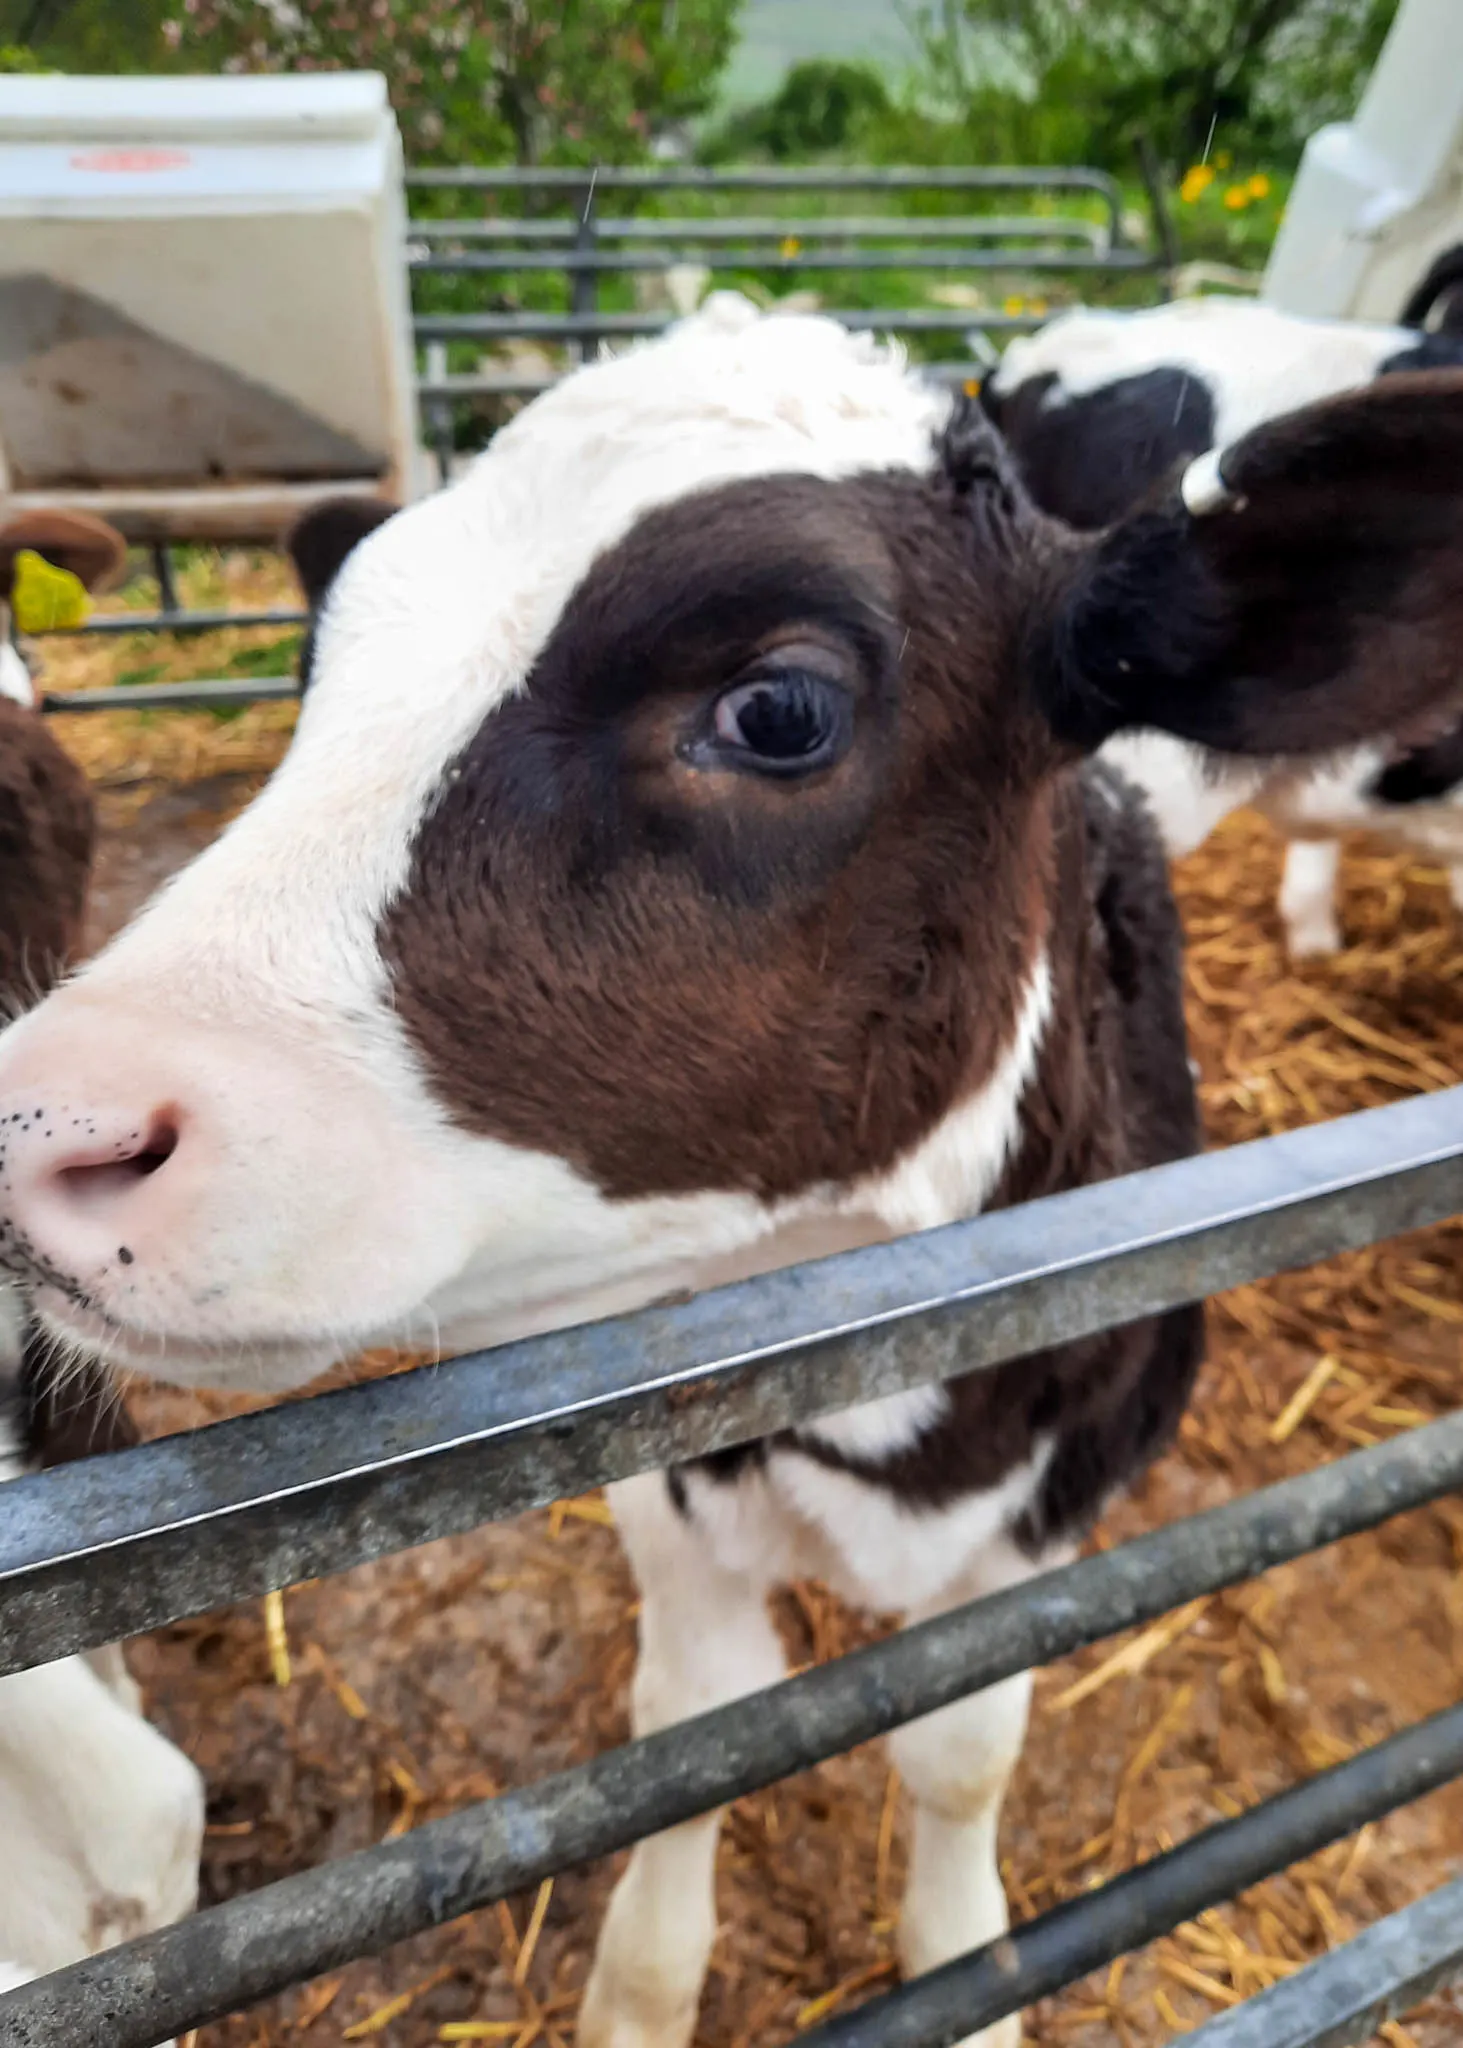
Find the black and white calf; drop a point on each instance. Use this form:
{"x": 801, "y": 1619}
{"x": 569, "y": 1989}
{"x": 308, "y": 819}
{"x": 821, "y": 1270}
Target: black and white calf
{"x": 688, "y": 862}
{"x": 1098, "y": 408}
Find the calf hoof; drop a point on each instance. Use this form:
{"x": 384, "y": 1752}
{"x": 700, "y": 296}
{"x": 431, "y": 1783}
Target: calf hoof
{"x": 1312, "y": 937}
{"x": 625, "y": 2016}
{"x": 1004, "y": 2034}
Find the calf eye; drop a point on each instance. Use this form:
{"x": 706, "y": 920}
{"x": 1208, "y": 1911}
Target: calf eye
{"x": 787, "y": 721}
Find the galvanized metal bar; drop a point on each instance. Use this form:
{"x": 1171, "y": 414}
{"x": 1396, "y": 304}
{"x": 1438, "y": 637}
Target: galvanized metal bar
{"x": 183, "y": 1524}
{"x": 505, "y": 262}
{"x": 767, "y": 227}
{"x": 253, "y": 1946}
{"x": 170, "y": 622}
{"x": 536, "y": 326}
{"x": 849, "y": 178}
{"x": 1347, "y": 1996}
{"x": 1046, "y": 1954}
{"x": 226, "y": 690}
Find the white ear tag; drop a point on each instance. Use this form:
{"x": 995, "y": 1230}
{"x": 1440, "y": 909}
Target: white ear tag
{"x": 1203, "y": 488}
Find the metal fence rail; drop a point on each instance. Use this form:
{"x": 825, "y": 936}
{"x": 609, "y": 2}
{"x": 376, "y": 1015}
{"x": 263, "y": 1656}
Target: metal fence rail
{"x": 186, "y": 1523}
{"x": 586, "y": 247}
{"x": 315, "y": 1486}
{"x": 1346, "y": 1997}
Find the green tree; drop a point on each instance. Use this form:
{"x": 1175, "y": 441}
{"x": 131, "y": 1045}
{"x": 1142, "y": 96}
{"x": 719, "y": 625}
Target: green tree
{"x": 1268, "y": 71}
{"x": 824, "y": 104}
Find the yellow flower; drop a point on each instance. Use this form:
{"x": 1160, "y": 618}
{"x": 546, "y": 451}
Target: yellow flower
{"x": 1259, "y": 187}
{"x": 1222, "y": 160}
{"x": 1237, "y": 198}
{"x": 1014, "y": 306}
{"x": 789, "y": 246}
{"x": 1197, "y": 180}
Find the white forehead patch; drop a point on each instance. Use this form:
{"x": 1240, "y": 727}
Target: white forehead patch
{"x": 1255, "y": 361}
{"x": 439, "y": 614}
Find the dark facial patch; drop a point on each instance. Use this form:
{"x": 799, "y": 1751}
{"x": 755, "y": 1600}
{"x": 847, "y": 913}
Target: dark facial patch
{"x": 681, "y": 980}
{"x": 1091, "y": 458}
{"x": 1112, "y": 1094}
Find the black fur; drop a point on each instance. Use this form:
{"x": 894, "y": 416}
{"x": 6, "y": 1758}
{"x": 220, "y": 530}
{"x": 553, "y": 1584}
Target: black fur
{"x": 1424, "y": 774}
{"x": 1428, "y": 352}
{"x": 318, "y": 545}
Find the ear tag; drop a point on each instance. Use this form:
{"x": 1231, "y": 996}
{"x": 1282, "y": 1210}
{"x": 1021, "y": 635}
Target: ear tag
{"x": 1203, "y": 488}
{"x": 43, "y": 597}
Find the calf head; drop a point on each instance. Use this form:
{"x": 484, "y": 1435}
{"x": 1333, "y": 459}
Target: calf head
{"x": 660, "y": 883}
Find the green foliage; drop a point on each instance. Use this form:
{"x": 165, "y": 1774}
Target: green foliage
{"x": 1261, "y": 73}
{"x": 482, "y": 81}
{"x": 822, "y": 105}
{"x": 472, "y": 81}
{"x": 87, "y": 35}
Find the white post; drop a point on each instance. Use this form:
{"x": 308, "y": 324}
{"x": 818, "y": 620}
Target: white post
{"x": 1377, "y": 199}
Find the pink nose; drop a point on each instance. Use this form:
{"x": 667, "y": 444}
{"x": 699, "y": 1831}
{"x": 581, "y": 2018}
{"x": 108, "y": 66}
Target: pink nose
{"x": 85, "y": 1190}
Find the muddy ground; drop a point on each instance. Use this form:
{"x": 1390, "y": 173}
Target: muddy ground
{"x": 479, "y": 1663}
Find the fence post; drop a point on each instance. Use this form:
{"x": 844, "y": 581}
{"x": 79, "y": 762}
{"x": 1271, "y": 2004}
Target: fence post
{"x": 439, "y": 412}
{"x": 584, "y": 278}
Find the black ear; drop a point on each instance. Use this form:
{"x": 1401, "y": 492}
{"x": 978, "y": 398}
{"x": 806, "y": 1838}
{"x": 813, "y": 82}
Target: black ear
{"x": 1298, "y": 591}
{"x": 321, "y": 538}
{"x": 317, "y": 545}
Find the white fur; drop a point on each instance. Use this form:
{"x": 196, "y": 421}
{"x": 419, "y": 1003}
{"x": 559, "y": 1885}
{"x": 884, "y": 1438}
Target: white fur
{"x": 1189, "y": 792}
{"x": 705, "y": 1640}
{"x": 15, "y": 678}
{"x": 1255, "y": 361}
{"x": 101, "y": 1818}
{"x": 1308, "y": 897}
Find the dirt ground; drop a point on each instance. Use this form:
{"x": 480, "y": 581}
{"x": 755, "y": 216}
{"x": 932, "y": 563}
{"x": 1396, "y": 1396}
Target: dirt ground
{"x": 402, "y": 1689}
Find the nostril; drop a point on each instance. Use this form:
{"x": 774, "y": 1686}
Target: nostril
{"x": 158, "y": 1147}
{"x": 98, "y": 1182}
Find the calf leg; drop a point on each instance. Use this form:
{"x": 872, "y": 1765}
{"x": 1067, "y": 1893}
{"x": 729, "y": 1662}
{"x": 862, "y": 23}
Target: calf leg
{"x": 956, "y": 1765}
{"x": 705, "y": 1639}
{"x": 1308, "y": 897}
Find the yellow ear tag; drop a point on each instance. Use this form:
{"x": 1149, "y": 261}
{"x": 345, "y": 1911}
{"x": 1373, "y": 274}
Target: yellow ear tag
{"x": 43, "y": 597}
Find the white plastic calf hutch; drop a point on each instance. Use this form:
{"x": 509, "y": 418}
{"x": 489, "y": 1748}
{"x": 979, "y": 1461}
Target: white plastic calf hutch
{"x": 204, "y": 319}
{"x": 1374, "y": 228}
